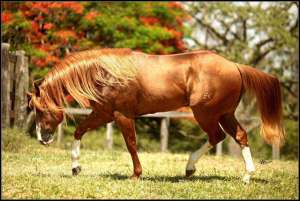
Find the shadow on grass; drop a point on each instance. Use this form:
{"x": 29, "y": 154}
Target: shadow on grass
{"x": 176, "y": 179}
{"x": 172, "y": 179}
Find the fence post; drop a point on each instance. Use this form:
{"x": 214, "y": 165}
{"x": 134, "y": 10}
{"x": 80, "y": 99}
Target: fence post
{"x": 233, "y": 148}
{"x": 60, "y": 133}
{"x": 21, "y": 86}
{"x": 275, "y": 152}
{"x": 109, "y": 135}
{"x": 164, "y": 134}
{"x": 219, "y": 149}
{"x": 5, "y": 86}
{"x": 29, "y": 121}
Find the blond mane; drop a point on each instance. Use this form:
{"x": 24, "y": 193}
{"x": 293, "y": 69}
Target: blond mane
{"x": 80, "y": 75}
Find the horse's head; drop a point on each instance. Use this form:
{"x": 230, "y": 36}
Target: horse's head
{"x": 46, "y": 120}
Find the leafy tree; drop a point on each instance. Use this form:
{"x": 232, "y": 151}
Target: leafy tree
{"x": 49, "y": 30}
{"x": 263, "y": 35}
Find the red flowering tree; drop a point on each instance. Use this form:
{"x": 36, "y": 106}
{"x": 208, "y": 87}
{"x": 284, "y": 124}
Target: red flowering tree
{"x": 49, "y": 30}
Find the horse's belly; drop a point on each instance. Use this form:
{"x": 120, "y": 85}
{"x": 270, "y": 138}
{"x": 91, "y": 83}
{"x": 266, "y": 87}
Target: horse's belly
{"x": 136, "y": 104}
{"x": 148, "y": 107}
{"x": 165, "y": 100}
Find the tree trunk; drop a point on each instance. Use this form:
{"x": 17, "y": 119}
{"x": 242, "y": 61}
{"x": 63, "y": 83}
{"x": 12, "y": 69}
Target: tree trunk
{"x": 29, "y": 121}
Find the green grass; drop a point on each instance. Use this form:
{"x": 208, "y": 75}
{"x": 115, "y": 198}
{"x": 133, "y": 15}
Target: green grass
{"x": 46, "y": 173}
{"x": 37, "y": 172}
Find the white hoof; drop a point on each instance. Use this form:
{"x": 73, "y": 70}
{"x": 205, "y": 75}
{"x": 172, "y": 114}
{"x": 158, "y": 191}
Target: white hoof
{"x": 246, "y": 178}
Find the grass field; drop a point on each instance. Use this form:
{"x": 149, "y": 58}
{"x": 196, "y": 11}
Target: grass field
{"x": 37, "y": 172}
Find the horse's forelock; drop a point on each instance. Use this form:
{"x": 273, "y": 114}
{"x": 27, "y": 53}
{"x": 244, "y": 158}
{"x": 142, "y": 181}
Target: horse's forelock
{"x": 35, "y": 103}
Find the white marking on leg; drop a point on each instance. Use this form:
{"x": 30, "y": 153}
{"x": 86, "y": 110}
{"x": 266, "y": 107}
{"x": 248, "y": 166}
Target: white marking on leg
{"x": 249, "y": 166}
{"x": 38, "y": 132}
{"x": 37, "y": 128}
{"x": 75, "y": 153}
{"x": 194, "y": 157}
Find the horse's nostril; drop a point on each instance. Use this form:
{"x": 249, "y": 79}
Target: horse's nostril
{"x": 46, "y": 137}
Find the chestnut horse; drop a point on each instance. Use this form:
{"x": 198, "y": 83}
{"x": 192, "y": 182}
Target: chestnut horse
{"x": 120, "y": 85}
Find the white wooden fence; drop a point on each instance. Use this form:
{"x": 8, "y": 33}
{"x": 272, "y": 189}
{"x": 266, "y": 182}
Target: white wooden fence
{"x": 164, "y": 132}
{"x": 14, "y": 85}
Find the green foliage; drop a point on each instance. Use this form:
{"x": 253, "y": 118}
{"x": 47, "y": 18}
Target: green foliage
{"x": 291, "y": 147}
{"x": 185, "y": 136}
{"x": 14, "y": 140}
{"x": 47, "y": 30}
{"x": 262, "y": 34}
{"x": 96, "y": 140}
{"x": 265, "y": 36}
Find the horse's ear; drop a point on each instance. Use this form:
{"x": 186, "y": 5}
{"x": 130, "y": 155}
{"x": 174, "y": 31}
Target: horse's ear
{"x": 36, "y": 84}
{"x": 29, "y": 96}
{"x": 36, "y": 89}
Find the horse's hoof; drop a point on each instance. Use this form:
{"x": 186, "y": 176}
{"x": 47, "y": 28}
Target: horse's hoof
{"x": 134, "y": 177}
{"x": 246, "y": 179}
{"x": 189, "y": 173}
{"x": 76, "y": 171}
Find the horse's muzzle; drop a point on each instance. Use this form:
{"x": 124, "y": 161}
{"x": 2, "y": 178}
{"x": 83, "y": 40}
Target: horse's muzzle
{"x": 47, "y": 139}
{"x": 46, "y": 143}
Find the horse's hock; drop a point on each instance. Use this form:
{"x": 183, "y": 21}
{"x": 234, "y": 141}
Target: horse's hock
{"x": 14, "y": 85}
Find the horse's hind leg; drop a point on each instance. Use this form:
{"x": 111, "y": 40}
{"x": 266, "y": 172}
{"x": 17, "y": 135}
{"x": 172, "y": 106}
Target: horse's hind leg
{"x": 127, "y": 127}
{"x": 233, "y": 128}
{"x": 215, "y": 135}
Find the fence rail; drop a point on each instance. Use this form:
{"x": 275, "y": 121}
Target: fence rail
{"x": 172, "y": 114}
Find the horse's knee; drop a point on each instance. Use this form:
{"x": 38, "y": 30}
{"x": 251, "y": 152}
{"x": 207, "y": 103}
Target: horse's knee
{"x": 241, "y": 138}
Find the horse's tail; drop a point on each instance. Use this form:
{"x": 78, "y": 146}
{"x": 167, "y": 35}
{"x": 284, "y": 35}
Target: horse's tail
{"x": 268, "y": 94}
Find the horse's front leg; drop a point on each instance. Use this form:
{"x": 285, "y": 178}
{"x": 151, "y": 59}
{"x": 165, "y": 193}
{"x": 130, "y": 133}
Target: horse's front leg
{"x": 93, "y": 121}
{"x": 127, "y": 127}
